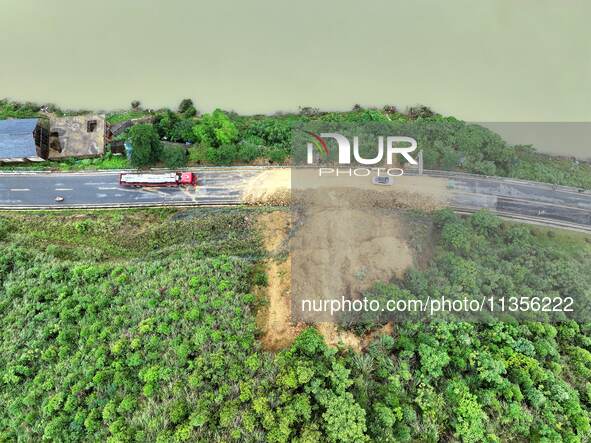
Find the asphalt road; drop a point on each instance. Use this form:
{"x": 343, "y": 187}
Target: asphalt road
{"x": 529, "y": 201}
{"x": 525, "y": 201}
{"x": 19, "y": 191}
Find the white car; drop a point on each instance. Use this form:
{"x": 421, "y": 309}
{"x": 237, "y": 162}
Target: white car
{"x": 384, "y": 181}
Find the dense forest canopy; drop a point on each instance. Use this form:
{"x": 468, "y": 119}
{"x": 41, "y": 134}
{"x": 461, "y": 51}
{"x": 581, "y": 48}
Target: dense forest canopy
{"x": 139, "y": 326}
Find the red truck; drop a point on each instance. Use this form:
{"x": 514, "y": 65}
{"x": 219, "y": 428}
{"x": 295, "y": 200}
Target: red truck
{"x": 158, "y": 180}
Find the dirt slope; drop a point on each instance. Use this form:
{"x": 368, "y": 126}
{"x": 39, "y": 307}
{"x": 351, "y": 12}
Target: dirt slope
{"x": 341, "y": 236}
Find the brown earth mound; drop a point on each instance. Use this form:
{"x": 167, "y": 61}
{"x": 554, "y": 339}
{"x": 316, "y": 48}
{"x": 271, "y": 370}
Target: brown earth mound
{"x": 338, "y": 240}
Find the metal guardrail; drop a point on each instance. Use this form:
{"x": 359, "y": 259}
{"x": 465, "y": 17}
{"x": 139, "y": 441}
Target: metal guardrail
{"x": 126, "y": 206}
{"x": 527, "y": 219}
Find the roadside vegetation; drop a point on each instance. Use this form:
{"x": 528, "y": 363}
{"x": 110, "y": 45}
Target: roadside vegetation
{"x": 120, "y": 117}
{"x": 226, "y": 138}
{"x": 139, "y": 325}
{"x": 17, "y": 110}
{"x": 492, "y": 381}
{"x": 106, "y": 162}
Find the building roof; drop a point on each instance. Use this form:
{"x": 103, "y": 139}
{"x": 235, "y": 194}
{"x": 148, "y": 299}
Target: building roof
{"x": 17, "y": 139}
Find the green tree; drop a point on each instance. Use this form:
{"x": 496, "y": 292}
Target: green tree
{"x": 165, "y": 122}
{"x": 457, "y": 236}
{"x": 182, "y": 131}
{"x": 344, "y": 419}
{"x": 187, "y": 108}
{"x": 223, "y": 155}
{"x": 272, "y": 131}
{"x": 468, "y": 420}
{"x": 215, "y": 129}
{"x": 174, "y": 157}
{"x": 484, "y": 222}
{"x": 146, "y": 145}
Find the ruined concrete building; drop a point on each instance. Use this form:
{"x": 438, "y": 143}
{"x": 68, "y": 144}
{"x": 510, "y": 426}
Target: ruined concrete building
{"x": 81, "y": 136}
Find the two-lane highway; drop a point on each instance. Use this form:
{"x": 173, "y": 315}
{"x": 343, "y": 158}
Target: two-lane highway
{"x": 517, "y": 199}
{"x": 102, "y": 189}
{"x": 557, "y": 205}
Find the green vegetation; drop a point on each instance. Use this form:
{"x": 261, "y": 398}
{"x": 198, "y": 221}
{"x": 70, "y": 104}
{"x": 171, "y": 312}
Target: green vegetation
{"x": 496, "y": 381}
{"x": 146, "y": 144}
{"x": 447, "y": 143}
{"x": 173, "y": 156}
{"x": 124, "y": 325}
{"x": 225, "y": 138}
{"x": 107, "y": 161}
{"x": 14, "y": 109}
{"x": 119, "y": 117}
{"x": 10, "y": 109}
{"x": 174, "y": 127}
{"x": 139, "y": 326}
{"x": 216, "y": 129}
{"x": 187, "y": 108}
{"x": 545, "y": 168}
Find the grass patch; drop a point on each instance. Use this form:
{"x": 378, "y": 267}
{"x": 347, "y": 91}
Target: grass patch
{"x": 107, "y": 162}
{"x": 118, "y": 117}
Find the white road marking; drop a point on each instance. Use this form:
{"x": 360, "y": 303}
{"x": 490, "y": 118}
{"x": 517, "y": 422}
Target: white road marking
{"x": 63, "y": 189}
{"x": 144, "y": 197}
{"x": 112, "y": 188}
{"x": 20, "y": 190}
{"x": 101, "y": 195}
{"x": 153, "y": 192}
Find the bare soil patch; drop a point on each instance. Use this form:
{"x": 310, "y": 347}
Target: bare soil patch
{"x": 275, "y": 318}
{"x": 271, "y": 187}
{"x": 346, "y": 240}
{"x": 275, "y": 186}
{"x": 342, "y": 236}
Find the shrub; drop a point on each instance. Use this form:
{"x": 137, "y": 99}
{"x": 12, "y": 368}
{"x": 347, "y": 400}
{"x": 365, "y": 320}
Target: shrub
{"x": 247, "y": 152}
{"x": 445, "y": 216}
{"x": 198, "y": 154}
{"x": 17, "y": 110}
{"x": 187, "y": 108}
{"x": 216, "y": 129}
{"x": 419, "y": 111}
{"x": 182, "y": 131}
{"x": 277, "y": 155}
{"x": 485, "y": 222}
{"x": 174, "y": 157}
{"x": 146, "y": 145}
{"x": 4, "y": 228}
{"x": 271, "y": 131}
{"x": 164, "y": 121}
{"x": 224, "y": 155}
{"x": 456, "y": 236}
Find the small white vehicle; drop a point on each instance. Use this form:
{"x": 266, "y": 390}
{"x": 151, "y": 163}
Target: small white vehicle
{"x": 383, "y": 181}
{"x": 59, "y": 199}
